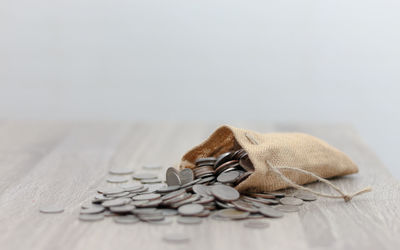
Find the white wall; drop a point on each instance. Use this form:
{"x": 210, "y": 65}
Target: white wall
{"x": 313, "y": 61}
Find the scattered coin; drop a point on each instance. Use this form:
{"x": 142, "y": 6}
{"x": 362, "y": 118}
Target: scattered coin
{"x": 143, "y": 176}
{"x": 172, "y": 177}
{"x": 131, "y": 187}
{"x": 225, "y": 193}
{"x": 176, "y": 237}
{"x": 110, "y": 190}
{"x": 93, "y": 210}
{"x": 122, "y": 209}
{"x": 288, "y": 208}
{"x": 232, "y": 213}
{"x": 270, "y": 212}
{"x": 91, "y": 217}
{"x": 126, "y": 219}
{"x": 256, "y": 224}
{"x": 146, "y": 197}
{"x": 117, "y": 179}
{"x": 291, "y": 201}
{"x": 116, "y": 202}
{"x": 190, "y": 209}
{"x": 186, "y": 175}
{"x": 120, "y": 171}
{"x": 305, "y": 196}
{"x": 188, "y": 220}
{"x": 51, "y": 209}
{"x": 152, "y": 167}
{"x": 201, "y": 190}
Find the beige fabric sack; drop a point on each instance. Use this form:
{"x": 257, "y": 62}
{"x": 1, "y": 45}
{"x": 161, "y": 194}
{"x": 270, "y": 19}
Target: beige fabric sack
{"x": 280, "y": 160}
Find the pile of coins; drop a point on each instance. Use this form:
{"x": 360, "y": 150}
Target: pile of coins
{"x": 206, "y": 190}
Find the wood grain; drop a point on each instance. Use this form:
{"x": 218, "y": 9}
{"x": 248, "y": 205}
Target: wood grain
{"x": 64, "y": 162}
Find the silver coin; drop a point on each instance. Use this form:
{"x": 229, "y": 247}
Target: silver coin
{"x": 117, "y": 179}
{"x": 146, "y": 211}
{"x": 245, "y": 206}
{"x": 168, "y": 212}
{"x": 116, "y": 202}
{"x": 193, "y": 198}
{"x": 122, "y": 209}
{"x": 206, "y": 180}
{"x": 51, "y": 209}
{"x": 146, "y": 197}
{"x": 202, "y": 190}
{"x": 150, "y": 203}
{"x": 176, "y": 237}
{"x": 150, "y": 181}
{"x": 191, "y": 183}
{"x": 173, "y": 178}
{"x": 167, "y": 189}
{"x": 152, "y": 167}
{"x": 91, "y": 217}
{"x": 186, "y": 175}
{"x": 173, "y": 194}
{"x": 287, "y": 208}
{"x": 151, "y": 217}
{"x": 256, "y": 224}
{"x": 100, "y": 198}
{"x": 291, "y": 201}
{"x": 143, "y": 176}
{"x": 205, "y": 199}
{"x": 188, "y": 220}
{"x": 126, "y": 219}
{"x": 232, "y": 213}
{"x": 87, "y": 204}
{"x": 123, "y": 194}
{"x": 225, "y": 193}
{"x": 120, "y": 171}
{"x": 305, "y": 196}
{"x": 270, "y": 212}
{"x": 190, "y": 209}
{"x": 228, "y": 177}
{"x": 110, "y": 190}
{"x": 131, "y": 187}
{"x": 165, "y": 221}
{"x": 95, "y": 209}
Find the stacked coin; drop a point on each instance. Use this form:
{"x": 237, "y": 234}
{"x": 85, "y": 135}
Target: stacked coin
{"x": 205, "y": 191}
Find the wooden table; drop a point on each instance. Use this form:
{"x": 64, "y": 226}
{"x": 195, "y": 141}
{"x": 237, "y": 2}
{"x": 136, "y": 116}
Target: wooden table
{"x": 64, "y": 162}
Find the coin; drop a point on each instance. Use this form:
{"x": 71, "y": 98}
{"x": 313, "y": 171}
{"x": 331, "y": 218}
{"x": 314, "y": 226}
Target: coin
{"x": 245, "y": 206}
{"x": 201, "y": 190}
{"x": 190, "y": 209}
{"x": 146, "y": 197}
{"x": 207, "y": 159}
{"x": 291, "y": 201}
{"x": 188, "y": 220}
{"x": 93, "y": 210}
{"x": 305, "y": 196}
{"x": 256, "y": 224}
{"x": 270, "y": 212}
{"x": 117, "y": 179}
{"x": 116, "y": 202}
{"x": 225, "y": 193}
{"x": 91, "y": 217}
{"x": 228, "y": 177}
{"x": 176, "y": 237}
{"x": 152, "y": 167}
{"x": 126, "y": 219}
{"x": 173, "y": 194}
{"x": 246, "y": 164}
{"x": 51, "y": 209}
{"x": 110, "y": 190}
{"x": 222, "y": 158}
{"x": 172, "y": 177}
{"x": 131, "y": 187}
{"x": 150, "y": 181}
{"x": 186, "y": 175}
{"x": 121, "y": 171}
{"x": 288, "y": 208}
{"x": 167, "y": 189}
{"x": 142, "y": 176}
{"x": 165, "y": 221}
{"x": 168, "y": 211}
{"x": 232, "y": 213}
{"x": 122, "y": 209}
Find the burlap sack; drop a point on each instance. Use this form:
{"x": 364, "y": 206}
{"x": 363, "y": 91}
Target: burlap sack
{"x": 306, "y": 158}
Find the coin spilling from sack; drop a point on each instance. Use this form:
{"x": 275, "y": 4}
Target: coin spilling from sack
{"x": 206, "y": 191}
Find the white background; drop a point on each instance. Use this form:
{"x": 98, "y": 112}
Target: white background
{"x": 287, "y": 61}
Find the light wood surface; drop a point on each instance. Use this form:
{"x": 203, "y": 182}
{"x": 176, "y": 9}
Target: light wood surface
{"x": 64, "y": 163}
